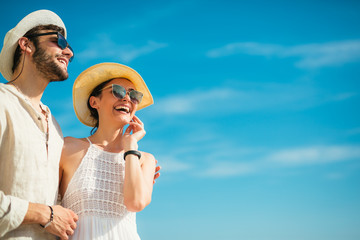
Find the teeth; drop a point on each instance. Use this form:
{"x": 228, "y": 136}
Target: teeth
{"x": 123, "y": 108}
{"x": 62, "y": 61}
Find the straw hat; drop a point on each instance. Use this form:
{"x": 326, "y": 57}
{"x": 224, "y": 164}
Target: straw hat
{"x": 93, "y": 76}
{"x": 37, "y": 18}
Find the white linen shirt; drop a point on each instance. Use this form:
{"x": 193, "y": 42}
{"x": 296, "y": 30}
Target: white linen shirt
{"x": 28, "y": 171}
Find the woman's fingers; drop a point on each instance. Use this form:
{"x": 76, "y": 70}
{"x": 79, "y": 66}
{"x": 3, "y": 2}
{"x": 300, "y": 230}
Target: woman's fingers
{"x": 128, "y": 129}
{"x": 136, "y": 125}
{"x": 135, "y": 129}
{"x": 137, "y": 120}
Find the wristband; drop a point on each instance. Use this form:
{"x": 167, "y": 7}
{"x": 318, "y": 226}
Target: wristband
{"x": 51, "y": 218}
{"x": 136, "y": 153}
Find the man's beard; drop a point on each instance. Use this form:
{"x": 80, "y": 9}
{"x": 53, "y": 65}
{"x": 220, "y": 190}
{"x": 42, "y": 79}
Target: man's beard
{"x": 47, "y": 66}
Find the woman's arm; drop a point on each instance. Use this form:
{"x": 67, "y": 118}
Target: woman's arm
{"x": 139, "y": 173}
{"x": 138, "y": 184}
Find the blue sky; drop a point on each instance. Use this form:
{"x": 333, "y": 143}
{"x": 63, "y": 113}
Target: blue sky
{"x": 255, "y": 120}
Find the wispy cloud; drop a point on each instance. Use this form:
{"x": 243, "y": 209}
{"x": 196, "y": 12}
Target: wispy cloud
{"x": 194, "y": 101}
{"x": 314, "y": 155}
{"x": 254, "y": 97}
{"x": 228, "y": 169}
{"x": 309, "y": 55}
{"x": 170, "y": 164}
{"x": 105, "y": 47}
{"x": 283, "y": 159}
{"x": 218, "y": 163}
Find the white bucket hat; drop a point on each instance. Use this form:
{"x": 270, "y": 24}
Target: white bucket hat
{"x": 93, "y": 76}
{"x": 37, "y": 18}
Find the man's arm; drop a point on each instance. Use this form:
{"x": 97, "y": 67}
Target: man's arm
{"x": 12, "y": 213}
{"x": 63, "y": 223}
{"x": 15, "y": 211}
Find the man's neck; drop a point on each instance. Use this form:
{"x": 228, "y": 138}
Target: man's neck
{"x": 32, "y": 87}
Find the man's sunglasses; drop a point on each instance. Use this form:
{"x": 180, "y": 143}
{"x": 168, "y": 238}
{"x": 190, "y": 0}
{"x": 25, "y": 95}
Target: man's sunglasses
{"x": 120, "y": 92}
{"x": 61, "y": 41}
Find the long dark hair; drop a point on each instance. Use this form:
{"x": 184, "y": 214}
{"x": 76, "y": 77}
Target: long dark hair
{"x": 93, "y": 112}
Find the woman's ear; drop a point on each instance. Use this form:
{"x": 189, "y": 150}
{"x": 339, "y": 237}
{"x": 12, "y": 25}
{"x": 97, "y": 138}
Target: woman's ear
{"x": 94, "y": 102}
{"x": 25, "y": 44}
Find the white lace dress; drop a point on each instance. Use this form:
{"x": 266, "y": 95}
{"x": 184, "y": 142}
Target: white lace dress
{"x": 95, "y": 193}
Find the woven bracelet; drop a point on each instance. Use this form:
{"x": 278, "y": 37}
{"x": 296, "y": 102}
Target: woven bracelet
{"x": 51, "y": 218}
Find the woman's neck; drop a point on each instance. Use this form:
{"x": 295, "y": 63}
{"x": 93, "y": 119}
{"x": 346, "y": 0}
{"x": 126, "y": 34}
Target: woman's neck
{"x": 109, "y": 139}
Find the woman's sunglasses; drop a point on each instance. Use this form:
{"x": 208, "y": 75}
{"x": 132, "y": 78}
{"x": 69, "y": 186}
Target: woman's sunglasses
{"x": 61, "y": 41}
{"x": 120, "y": 92}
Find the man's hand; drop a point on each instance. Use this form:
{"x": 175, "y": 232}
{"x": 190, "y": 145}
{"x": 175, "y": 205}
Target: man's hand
{"x": 64, "y": 222}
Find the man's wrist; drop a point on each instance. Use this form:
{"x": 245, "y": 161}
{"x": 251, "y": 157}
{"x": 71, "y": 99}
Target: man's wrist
{"x": 37, "y": 213}
{"x": 51, "y": 218}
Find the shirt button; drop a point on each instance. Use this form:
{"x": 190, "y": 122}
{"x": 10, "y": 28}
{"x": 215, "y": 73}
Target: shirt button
{"x": 39, "y": 118}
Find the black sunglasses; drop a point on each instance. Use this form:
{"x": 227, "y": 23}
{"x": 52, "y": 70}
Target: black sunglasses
{"x": 120, "y": 92}
{"x": 61, "y": 41}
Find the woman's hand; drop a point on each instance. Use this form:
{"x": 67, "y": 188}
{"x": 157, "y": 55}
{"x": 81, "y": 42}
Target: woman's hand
{"x": 134, "y": 133}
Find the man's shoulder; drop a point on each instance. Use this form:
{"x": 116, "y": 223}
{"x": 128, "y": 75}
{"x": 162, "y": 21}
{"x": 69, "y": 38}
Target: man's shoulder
{"x": 6, "y": 103}
{"x": 5, "y": 95}
{"x": 3, "y": 90}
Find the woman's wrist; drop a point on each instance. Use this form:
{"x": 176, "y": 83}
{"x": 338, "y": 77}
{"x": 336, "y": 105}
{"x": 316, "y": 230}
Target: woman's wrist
{"x": 132, "y": 152}
{"x": 131, "y": 147}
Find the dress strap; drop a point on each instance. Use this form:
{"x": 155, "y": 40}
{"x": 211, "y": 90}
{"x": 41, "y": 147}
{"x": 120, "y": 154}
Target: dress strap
{"x": 89, "y": 141}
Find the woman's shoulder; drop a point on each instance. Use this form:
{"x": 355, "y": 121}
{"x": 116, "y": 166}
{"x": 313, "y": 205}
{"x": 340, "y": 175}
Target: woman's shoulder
{"x": 74, "y": 149}
{"x": 72, "y": 144}
{"x": 76, "y": 141}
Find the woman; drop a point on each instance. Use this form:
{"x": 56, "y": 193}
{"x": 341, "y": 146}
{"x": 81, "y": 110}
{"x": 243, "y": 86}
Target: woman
{"x": 104, "y": 178}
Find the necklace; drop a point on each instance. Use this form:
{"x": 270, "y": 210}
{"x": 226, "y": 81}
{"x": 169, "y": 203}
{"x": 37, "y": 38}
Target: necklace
{"x": 46, "y": 114}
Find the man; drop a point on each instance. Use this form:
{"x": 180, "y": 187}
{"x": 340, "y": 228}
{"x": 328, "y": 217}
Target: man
{"x": 34, "y": 54}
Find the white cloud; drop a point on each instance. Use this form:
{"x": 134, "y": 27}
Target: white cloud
{"x": 314, "y": 155}
{"x": 223, "y": 157}
{"x": 228, "y": 169}
{"x": 130, "y": 53}
{"x": 250, "y": 48}
{"x": 195, "y": 101}
{"x": 217, "y": 163}
{"x": 310, "y": 55}
{"x": 105, "y": 47}
{"x": 265, "y": 96}
{"x": 170, "y": 164}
